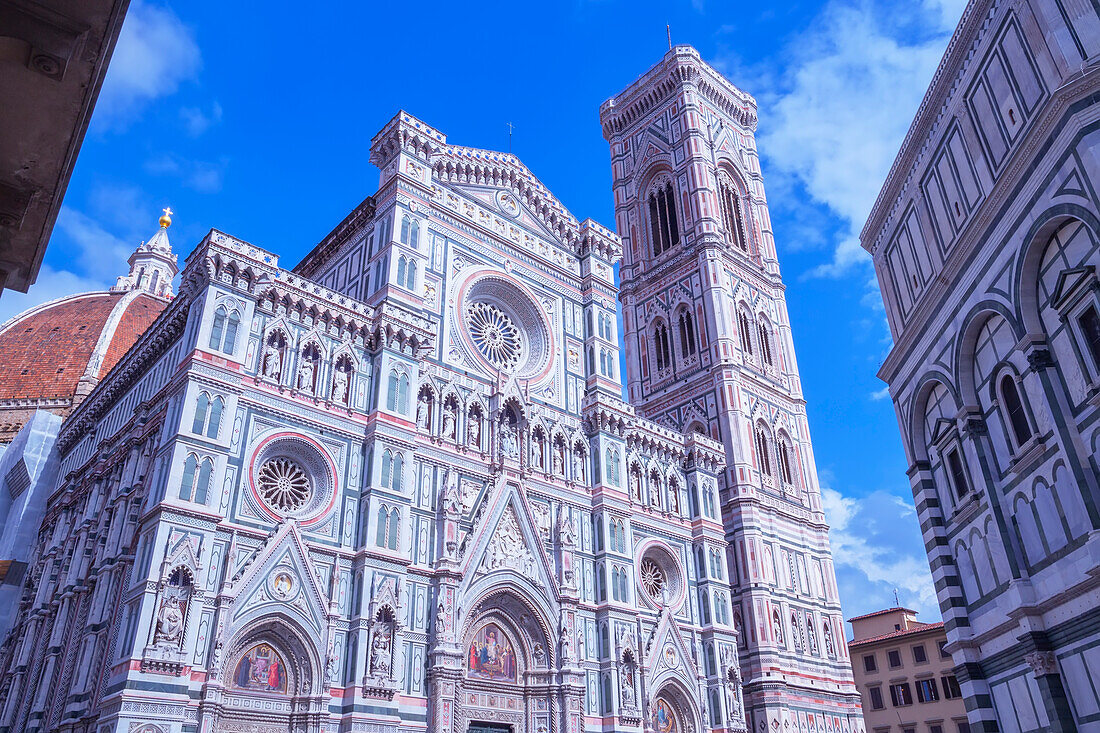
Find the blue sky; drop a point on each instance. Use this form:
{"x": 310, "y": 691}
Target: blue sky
{"x": 259, "y": 124}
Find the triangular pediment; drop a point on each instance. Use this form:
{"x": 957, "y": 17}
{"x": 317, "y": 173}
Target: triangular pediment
{"x": 497, "y": 207}
{"x": 280, "y": 577}
{"x": 508, "y": 541}
{"x": 1070, "y": 281}
{"x": 669, "y": 653}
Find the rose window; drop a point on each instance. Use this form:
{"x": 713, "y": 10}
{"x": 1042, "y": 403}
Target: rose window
{"x": 284, "y": 484}
{"x": 495, "y": 335}
{"x": 653, "y": 579}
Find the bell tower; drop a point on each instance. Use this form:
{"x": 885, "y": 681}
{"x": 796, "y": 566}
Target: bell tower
{"x": 709, "y": 349}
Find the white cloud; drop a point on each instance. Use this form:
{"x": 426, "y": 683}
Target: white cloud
{"x": 201, "y": 176}
{"x": 102, "y": 255}
{"x": 881, "y": 394}
{"x": 844, "y": 103}
{"x": 197, "y": 121}
{"x": 51, "y": 284}
{"x": 877, "y": 549}
{"x": 154, "y": 54}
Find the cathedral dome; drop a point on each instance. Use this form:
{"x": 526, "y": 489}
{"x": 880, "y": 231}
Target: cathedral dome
{"x": 56, "y": 352}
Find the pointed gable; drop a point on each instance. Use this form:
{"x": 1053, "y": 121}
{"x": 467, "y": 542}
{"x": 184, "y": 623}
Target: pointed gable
{"x": 280, "y": 577}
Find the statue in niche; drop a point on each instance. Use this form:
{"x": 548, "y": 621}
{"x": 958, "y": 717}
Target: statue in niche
{"x": 340, "y": 386}
{"x": 559, "y": 460}
{"x": 566, "y": 642}
{"x": 305, "y": 374}
{"x": 673, "y": 500}
{"x": 636, "y": 485}
{"x": 629, "y": 697}
{"x": 272, "y": 361}
{"x": 451, "y": 503}
{"x": 540, "y": 655}
{"x": 567, "y": 530}
{"x": 578, "y": 465}
{"x": 422, "y": 412}
{"x": 473, "y": 430}
{"x": 537, "y": 459}
{"x": 169, "y": 622}
{"x": 508, "y": 442}
{"x": 380, "y": 653}
{"x": 449, "y": 420}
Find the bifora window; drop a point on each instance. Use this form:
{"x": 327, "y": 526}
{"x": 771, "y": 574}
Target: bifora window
{"x": 663, "y": 227}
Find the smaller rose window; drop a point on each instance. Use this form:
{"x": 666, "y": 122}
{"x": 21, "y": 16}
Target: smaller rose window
{"x": 283, "y": 484}
{"x": 495, "y": 335}
{"x": 653, "y": 579}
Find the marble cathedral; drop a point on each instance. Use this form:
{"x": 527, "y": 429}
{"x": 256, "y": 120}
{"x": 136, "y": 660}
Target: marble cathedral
{"x": 397, "y": 488}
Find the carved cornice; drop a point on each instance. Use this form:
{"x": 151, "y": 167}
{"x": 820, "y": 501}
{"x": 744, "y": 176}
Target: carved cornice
{"x": 681, "y": 66}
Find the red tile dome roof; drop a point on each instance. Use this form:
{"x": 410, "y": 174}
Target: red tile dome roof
{"x": 48, "y": 349}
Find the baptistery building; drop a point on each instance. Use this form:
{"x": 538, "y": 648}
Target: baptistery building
{"x": 397, "y": 487}
{"x": 986, "y": 241}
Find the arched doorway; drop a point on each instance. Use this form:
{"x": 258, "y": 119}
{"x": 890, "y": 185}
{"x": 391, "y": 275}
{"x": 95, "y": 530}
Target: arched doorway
{"x": 672, "y": 711}
{"x": 267, "y": 683}
{"x": 507, "y": 681}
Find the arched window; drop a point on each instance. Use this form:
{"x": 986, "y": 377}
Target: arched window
{"x": 401, "y": 265}
{"x": 1014, "y": 410}
{"x": 664, "y": 229}
{"x": 156, "y": 281}
{"x": 397, "y": 398}
{"x": 731, "y": 211}
{"x": 202, "y": 486}
{"x": 406, "y": 226}
{"x": 783, "y": 451}
{"x": 611, "y": 466}
{"x": 201, "y": 408}
{"x": 393, "y": 466}
{"x": 661, "y": 346}
{"x": 217, "y": 328}
{"x": 766, "y": 344}
{"x": 601, "y": 583}
{"x": 187, "y": 485}
{"x": 744, "y": 332}
{"x": 414, "y": 234}
{"x": 704, "y": 606}
{"x": 598, "y": 532}
{"x": 194, "y": 487}
{"x": 389, "y": 521}
{"x": 215, "y": 421}
{"x": 395, "y": 523}
{"x": 403, "y": 394}
{"x": 229, "y": 343}
{"x": 410, "y": 275}
{"x": 763, "y": 450}
{"x": 687, "y": 334}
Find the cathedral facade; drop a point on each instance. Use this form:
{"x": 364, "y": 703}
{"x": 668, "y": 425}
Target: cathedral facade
{"x": 397, "y": 487}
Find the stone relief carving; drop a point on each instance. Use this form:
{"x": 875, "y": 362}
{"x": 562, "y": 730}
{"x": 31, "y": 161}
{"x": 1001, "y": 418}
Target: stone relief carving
{"x": 507, "y": 550}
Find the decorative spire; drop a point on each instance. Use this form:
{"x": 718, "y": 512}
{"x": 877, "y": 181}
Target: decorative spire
{"x": 152, "y": 265}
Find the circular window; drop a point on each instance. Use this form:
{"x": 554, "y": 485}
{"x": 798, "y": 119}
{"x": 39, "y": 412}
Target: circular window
{"x": 292, "y": 476}
{"x": 660, "y": 576}
{"x": 283, "y": 484}
{"x": 503, "y": 326}
{"x": 653, "y": 579}
{"x": 495, "y": 335}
